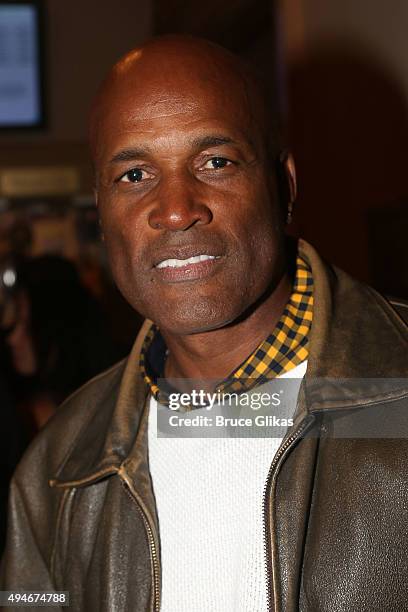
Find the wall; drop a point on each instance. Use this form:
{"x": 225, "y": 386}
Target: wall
{"x": 84, "y": 38}
{"x": 347, "y": 73}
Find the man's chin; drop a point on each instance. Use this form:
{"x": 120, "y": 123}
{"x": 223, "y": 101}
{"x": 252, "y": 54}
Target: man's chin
{"x": 185, "y": 323}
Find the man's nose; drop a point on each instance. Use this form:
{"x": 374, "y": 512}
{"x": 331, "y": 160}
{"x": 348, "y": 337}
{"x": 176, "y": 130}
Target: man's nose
{"x": 179, "y": 204}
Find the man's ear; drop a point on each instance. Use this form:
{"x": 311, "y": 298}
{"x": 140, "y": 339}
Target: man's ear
{"x": 290, "y": 170}
{"x": 287, "y": 185}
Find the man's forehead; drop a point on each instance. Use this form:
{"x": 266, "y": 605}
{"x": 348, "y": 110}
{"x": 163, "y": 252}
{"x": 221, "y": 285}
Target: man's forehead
{"x": 167, "y": 84}
{"x": 186, "y": 116}
{"x": 144, "y": 96}
{"x": 168, "y": 103}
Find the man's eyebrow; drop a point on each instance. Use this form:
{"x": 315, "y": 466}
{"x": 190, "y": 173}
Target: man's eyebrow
{"x": 201, "y": 142}
{"x": 129, "y": 154}
{"x": 212, "y": 141}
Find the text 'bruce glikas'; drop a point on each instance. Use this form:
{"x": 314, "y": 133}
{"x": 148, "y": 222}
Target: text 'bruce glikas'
{"x": 222, "y": 421}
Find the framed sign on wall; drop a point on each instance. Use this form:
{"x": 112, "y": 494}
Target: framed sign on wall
{"x": 22, "y": 103}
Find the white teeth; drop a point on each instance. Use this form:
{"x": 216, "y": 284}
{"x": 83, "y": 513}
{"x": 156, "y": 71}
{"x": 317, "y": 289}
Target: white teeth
{"x": 179, "y": 263}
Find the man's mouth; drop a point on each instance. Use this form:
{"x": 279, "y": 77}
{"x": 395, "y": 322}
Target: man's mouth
{"x": 180, "y": 263}
{"x": 195, "y": 267}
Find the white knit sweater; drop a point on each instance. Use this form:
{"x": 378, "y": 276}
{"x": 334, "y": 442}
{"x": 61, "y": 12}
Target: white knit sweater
{"x": 209, "y": 496}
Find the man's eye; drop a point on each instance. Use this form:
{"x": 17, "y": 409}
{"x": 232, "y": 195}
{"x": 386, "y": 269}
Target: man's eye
{"x": 135, "y": 175}
{"x": 216, "y": 163}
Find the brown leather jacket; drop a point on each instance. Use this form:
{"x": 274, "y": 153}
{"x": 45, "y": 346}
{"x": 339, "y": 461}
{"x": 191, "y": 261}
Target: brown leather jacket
{"x": 82, "y": 513}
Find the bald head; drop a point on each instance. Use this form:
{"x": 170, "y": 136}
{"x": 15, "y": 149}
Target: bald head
{"x": 172, "y": 69}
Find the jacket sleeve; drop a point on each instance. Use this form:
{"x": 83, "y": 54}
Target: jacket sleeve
{"x": 23, "y": 565}
{"x": 31, "y": 528}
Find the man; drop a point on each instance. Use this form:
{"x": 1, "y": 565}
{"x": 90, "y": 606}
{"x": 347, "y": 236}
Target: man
{"x": 193, "y": 194}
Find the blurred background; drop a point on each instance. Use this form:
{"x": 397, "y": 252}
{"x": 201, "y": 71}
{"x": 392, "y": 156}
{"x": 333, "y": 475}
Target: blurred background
{"x": 340, "y": 68}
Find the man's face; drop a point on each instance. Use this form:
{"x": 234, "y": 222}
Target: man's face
{"x": 187, "y": 200}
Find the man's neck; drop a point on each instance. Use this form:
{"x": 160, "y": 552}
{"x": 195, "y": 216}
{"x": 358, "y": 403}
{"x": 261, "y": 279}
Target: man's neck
{"x": 214, "y": 354}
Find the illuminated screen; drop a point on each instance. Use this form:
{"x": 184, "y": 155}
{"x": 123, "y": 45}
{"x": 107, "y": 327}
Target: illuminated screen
{"x": 20, "y": 69}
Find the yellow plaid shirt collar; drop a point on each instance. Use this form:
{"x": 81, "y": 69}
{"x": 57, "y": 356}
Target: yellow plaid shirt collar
{"x": 283, "y": 349}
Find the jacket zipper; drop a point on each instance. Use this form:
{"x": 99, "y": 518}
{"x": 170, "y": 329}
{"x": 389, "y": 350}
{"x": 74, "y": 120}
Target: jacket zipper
{"x": 152, "y": 546}
{"x": 271, "y": 595}
{"x": 155, "y": 560}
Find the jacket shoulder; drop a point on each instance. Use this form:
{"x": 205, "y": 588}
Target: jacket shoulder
{"x": 95, "y": 398}
{"x": 89, "y": 429}
{"x": 34, "y": 506}
{"x": 401, "y": 307}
